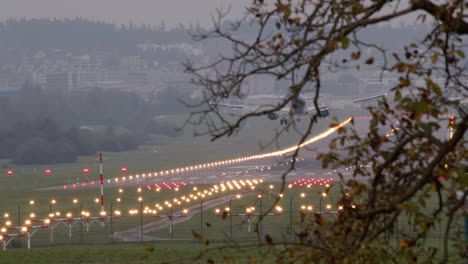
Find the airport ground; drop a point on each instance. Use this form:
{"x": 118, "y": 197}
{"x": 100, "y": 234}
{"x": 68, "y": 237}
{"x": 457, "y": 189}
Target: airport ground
{"x": 30, "y": 183}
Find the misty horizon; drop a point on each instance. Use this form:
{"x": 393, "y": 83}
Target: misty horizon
{"x": 123, "y": 12}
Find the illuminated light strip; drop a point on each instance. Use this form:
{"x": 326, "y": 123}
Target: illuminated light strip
{"x": 253, "y": 157}
{"x": 236, "y": 184}
{"x": 266, "y": 155}
{"x": 403, "y": 115}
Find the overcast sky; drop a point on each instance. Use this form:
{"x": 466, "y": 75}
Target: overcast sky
{"x": 152, "y": 12}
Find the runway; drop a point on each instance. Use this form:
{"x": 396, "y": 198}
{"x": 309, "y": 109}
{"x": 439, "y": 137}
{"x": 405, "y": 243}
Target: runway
{"x": 269, "y": 167}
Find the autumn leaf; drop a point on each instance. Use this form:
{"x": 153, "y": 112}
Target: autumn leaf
{"x": 401, "y": 67}
{"x": 404, "y": 82}
{"x": 369, "y": 61}
{"x": 149, "y": 247}
{"x": 296, "y": 20}
{"x": 345, "y": 43}
{"x": 403, "y": 244}
{"x": 196, "y": 234}
{"x": 397, "y": 96}
{"x": 356, "y": 55}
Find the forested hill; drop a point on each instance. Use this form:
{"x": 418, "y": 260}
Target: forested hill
{"x": 80, "y": 35}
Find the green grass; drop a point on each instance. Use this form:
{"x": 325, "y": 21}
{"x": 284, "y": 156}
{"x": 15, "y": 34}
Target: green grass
{"x": 146, "y": 253}
{"x": 135, "y": 253}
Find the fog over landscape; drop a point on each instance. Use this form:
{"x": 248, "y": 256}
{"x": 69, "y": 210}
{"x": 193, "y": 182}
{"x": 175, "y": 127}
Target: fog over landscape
{"x": 172, "y": 12}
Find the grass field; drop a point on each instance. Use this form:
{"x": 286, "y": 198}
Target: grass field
{"x": 134, "y": 253}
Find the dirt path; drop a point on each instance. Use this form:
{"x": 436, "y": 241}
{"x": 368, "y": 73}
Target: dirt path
{"x": 134, "y": 234}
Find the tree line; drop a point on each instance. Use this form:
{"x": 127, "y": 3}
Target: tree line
{"x": 41, "y": 126}
{"x": 80, "y": 36}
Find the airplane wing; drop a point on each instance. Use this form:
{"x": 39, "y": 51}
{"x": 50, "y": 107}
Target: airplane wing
{"x": 229, "y": 105}
{"x": 369, "y": 98}
{"x": 247, "y": 108}
{"x": 325, "y": 109}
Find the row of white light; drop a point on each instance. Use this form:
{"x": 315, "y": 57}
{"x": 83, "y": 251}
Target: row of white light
{"x": 200, "y": 194}
{"x": 237, "y": 160}
{"x": 194, "y": 196}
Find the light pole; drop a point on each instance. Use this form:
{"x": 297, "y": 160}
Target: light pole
{"x": 201, "y": 218}
{"x": 141, "y": 219}
{"x": 81, "y": 222}
{"x": 230, "y": 217}
{"x": 101, "y": 181}
{"x": 171, "y": 230}
{"x": 290, "y": 215}
{"x": 19, "y": 213}
{"x": 52, "y": 202}
{"x": 270, "y": 189}
{"x": 324, "y": 194}
{"x": 111, "y": 224}
{"x": 261, "y": 217}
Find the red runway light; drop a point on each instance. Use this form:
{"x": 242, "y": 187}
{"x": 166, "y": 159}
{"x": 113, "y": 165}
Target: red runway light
{"x": 48, "y": 171}
{"x": 123, "y": 169}
{"x": 85, "y": 170}
{"x": 10, "y": 172}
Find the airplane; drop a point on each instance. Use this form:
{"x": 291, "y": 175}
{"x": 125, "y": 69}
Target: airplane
{"x": 297, "y": 109}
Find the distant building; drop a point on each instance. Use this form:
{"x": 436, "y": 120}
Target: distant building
{"x": 112, "y": 76}
{"x": 60, "y": 81}
{"x": 114, "y": 85}
{"x": 137, "y": 78}
{"x": 39, "y": 78}
{"x": 132, "y": 62}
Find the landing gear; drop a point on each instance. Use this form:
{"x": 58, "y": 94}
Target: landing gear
{"x": 284, "y": 121}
